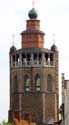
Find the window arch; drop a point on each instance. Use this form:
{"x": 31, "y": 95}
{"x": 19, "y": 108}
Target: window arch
{"x": 26, "y": 83}
{"x": 37, "y": 83}
{"x": 49, "y": 83}
{"x": 15, "y": 83}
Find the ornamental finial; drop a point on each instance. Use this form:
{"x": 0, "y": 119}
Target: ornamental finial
{"x": 33, "y": 3}
{"x": 53, "y": 38}
{"x": 13, "y": 39}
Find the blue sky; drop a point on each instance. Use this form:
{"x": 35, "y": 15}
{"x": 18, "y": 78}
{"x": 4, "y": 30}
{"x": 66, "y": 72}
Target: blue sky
{"x": 54, "y": 16}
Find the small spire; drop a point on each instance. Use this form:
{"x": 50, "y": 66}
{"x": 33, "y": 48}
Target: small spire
{"x": 54, "y": 47}
{"x": 13, "y": 39}
{"x": 33, "y": 3}
{"x": 53, "y": 38}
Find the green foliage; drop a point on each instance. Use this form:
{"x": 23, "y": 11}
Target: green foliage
{"x": 5, "y": 123}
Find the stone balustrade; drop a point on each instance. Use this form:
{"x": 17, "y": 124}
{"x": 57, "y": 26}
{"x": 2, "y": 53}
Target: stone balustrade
{"x": 20, "y": 61}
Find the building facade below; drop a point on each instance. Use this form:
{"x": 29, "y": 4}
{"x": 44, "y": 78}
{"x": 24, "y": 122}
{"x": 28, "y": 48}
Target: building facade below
{"x": 65, "y": 100}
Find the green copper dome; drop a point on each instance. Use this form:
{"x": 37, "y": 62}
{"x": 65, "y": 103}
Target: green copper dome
{"x": 32, "y": 14}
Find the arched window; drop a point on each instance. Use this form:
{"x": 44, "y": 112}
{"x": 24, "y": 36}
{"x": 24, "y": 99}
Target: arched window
{"x": 49, "y": 83}
{"x": 26, "y": 84}
{"x": 37, "y": 83}
{"x": 15, "y": 84}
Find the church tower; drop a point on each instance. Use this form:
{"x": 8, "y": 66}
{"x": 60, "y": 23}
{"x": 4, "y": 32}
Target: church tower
{"x": 33, "y": 76}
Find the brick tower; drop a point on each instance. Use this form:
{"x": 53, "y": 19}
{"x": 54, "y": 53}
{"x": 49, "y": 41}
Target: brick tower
{"x": 33, "y": 76}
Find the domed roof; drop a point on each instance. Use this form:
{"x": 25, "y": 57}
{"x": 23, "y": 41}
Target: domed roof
{"x": 32, "y": 14}
{"x": 12, "y": 49}
{"x": 54, "y": 48}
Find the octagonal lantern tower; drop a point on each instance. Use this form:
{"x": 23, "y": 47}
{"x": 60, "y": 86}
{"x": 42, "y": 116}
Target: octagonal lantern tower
{"x": 33, "y": 76}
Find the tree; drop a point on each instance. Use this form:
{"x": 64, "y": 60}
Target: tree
{"x": 5, "y": 123}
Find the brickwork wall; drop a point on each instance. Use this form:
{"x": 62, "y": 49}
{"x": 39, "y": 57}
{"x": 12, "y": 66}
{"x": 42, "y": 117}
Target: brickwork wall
{"x": 33, "y": 103}
{"x": 33, "y": 24}
{"x": 15, "y": 101}
{"x": 33, "y": 40}
{"x": 29, "y": 104}
{"x": 50, "y": 106}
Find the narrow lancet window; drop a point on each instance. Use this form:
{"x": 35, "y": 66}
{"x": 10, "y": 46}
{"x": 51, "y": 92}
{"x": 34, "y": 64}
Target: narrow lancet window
{"x": 37, "y": 83}
{"x": 15, "y": 84}
{"x": 49, "y": 83}
{"x": 27, "y": 84}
